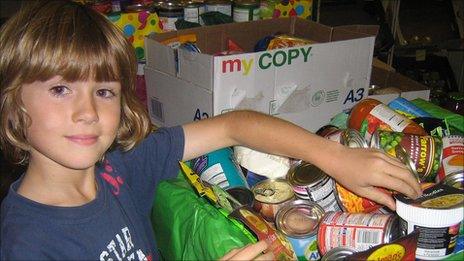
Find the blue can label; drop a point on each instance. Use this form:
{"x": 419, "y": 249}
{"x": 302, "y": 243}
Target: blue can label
{"x": 220, "y": 168}
{"x": 305, "y": 248}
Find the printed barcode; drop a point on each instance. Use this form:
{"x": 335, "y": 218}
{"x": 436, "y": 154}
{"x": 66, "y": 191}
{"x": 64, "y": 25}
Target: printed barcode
{"x": 368, "y": 237}
{"x": 157, "y": 109}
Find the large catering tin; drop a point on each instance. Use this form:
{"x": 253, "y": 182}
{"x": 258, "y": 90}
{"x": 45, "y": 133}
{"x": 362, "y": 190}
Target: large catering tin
{"x": 299, "y": 221}
{"x": 311, "y": 183}
{"x": 270, "y": 195}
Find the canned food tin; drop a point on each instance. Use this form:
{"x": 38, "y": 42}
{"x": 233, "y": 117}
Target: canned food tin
{"x": 193, "y": 11}
{"x": 338, "y": 253}
{"x": 353, "y": 139}
{"x": 424, "y": 151}
{"x": 169, "y": 13}
{"x": 330, "y": 132}
{"x": 223, "y": 6}
{"x": 298, "y": 221}
{"x": 245, "y": 10}
{"x": 455, "y": 180}
{"x": 452, "y": 161}
{"x": 352, "y": 203}
{"x": 270, "y": 195}
{"x": 311, "y": 183}
{"x": 359, "y": 231}
{"x": 220, "y": 168}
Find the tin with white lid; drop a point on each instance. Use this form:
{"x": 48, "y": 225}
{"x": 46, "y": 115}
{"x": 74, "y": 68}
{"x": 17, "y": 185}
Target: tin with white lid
{"x": 437, "y": 214}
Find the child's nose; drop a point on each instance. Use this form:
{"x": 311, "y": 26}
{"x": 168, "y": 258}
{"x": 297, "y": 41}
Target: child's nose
{"x": 86, "y": 111}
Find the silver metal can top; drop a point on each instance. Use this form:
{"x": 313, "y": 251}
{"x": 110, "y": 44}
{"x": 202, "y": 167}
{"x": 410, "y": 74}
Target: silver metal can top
{"x": 353, "y": 139}
{"x": 305, "y": 174}
{"x": 299, "y": 219}
{"x": 338, "y": 253}
{"x": 273, "y": 191}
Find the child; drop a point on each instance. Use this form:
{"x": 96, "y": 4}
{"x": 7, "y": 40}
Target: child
{"x": 68, "y": 111}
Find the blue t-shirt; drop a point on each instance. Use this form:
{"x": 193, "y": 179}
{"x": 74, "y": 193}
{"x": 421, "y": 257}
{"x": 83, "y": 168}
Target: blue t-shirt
{"x": 115, "y": 225}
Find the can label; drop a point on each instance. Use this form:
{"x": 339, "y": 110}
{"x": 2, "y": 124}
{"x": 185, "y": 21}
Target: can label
{"x": 452, "y": 156}
{"x": 424, "y": 151}
{"x": 359, "y": 231}
{"x": 222, "y": 8}
{"x": 193, "y": 14}
{"x": 353, "y": 203}
{"x": 305, "y": 248}
{"x": 245, "y": 13}
{"x": 384, "y": 118}
{"x": 220, "y": 168}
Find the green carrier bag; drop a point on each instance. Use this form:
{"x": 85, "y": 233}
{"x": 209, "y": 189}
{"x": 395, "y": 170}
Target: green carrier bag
{"x": 188, "y": 227}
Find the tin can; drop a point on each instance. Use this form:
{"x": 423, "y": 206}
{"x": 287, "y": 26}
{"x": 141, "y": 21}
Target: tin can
{"x": 359, "y": 231}
{"x": 253, "y": 178}
{"x": 270, "y": 195}
{"x": 348, "y": 137}
{"x": 223, "y": 6}
{"x": 311, "y": 183}
{"x": 169, "y": 13}
{"x": 299, "y": 221}
{"x": 352, "y": 203}
{"x": 338, "y": 253}
{"x": 452, "y": 162}
{"x": 220, "y": 168}
{"x": 245, "y": 10}
{"x": 423, "y": 150}
{"x": 455, "y": 180}
{"x": 134, "y": 8}
{"x": 193, "y": 11}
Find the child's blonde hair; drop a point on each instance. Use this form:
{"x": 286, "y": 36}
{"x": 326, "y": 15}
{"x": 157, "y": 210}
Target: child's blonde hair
{"x": 49, "y": 38}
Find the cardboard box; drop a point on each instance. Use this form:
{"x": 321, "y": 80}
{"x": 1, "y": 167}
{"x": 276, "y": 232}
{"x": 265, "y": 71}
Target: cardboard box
{"x": 306, "y": 85}
{"x": 409, "y": 89}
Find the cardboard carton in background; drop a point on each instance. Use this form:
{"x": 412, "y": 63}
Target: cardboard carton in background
{"x": 306, "y": 84}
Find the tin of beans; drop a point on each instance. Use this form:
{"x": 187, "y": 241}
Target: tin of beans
{"x": 359, "y": 231}
{"x": 424, "y": 151}
{"x": 270, "y": 195}
{"x": 298, "y": 221}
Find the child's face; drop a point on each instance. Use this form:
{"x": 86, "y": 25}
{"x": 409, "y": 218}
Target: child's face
{"x": 73, "y": 123}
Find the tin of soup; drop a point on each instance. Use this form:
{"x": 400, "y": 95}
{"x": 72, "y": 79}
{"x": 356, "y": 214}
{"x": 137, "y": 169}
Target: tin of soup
{"x": 298, "y": 221}
{"x": 270, "y": 195}
{"x": 311, "y": 183}
{"x": 452, "y": 157}
{"x": 359, "y": 231}
{"x": 424, "y": 151}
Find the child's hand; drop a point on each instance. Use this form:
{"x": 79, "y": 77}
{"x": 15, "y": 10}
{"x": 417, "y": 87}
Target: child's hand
{"x": 362, "y": 170}
{"x": 250, "y": 252}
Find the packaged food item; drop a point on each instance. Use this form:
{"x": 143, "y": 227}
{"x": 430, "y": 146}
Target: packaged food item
{"x": 298, "y": 221}
{"x": 452, "y": 163}
{"x": 169, "y": 13}
{"x": 285, "y": 41}
{"x": 264, "y": 164}
{"x": 220, "y": 168}
{"x": 193, "y": 10}
{"x": 369, "y": 115}
{"x": 402, "y": 249}
{"x": 245, "y": 10}
{"x": 423, "y": 151}
{"x": 278, "y": 243}
{"x": 271, "y": 195}
{"x": 407, "y": 107}
{"x": 348, "y": 137}
{"x": 338, "y": 253}
{"x": 352, "y": 203}
{"x": 222, "y": 6}
{"x": 437, "y": 215}
{"x": 311, "y": 183}
{"x": 359, "y": 231}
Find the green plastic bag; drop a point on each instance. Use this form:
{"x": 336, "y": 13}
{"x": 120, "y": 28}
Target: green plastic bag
{"x": 188, "y": 227}
{"x": 453, "y": 120}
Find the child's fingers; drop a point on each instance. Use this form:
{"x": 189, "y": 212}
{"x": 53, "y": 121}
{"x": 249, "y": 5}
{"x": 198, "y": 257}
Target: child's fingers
{"x": 231, "y": 254}
{"x": 265, "y": 257}
{"x": 248, "y": 252}
{"x": 380, "y": 197}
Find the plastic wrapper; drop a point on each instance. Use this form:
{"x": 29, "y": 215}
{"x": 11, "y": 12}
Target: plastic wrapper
{"x": 188, "y": 227}
{"x": 453, "y": 120}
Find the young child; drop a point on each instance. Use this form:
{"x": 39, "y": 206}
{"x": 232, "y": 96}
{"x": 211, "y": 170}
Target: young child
{"x": 68, "y": 111}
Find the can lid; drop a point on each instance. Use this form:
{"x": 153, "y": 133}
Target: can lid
{"x": 439, "y": 205}
{"x": 402, "y": 155}
{"x": 455, "y": 179}
{"x": 338, "y": 253}
{"x": 299, "y": 218}
{"x": 353, "y": 139}
{"x": 305, "y": 174}
{"x": 273, "y": 191}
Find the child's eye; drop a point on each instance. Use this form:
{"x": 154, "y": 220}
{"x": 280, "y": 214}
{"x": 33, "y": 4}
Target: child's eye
{"x": 105, "y": 93}
{"x": 59, "y": 90}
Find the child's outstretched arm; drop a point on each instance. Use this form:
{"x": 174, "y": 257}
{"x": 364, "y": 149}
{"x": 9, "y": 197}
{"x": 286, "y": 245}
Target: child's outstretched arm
{"x": 360, "y": 170}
